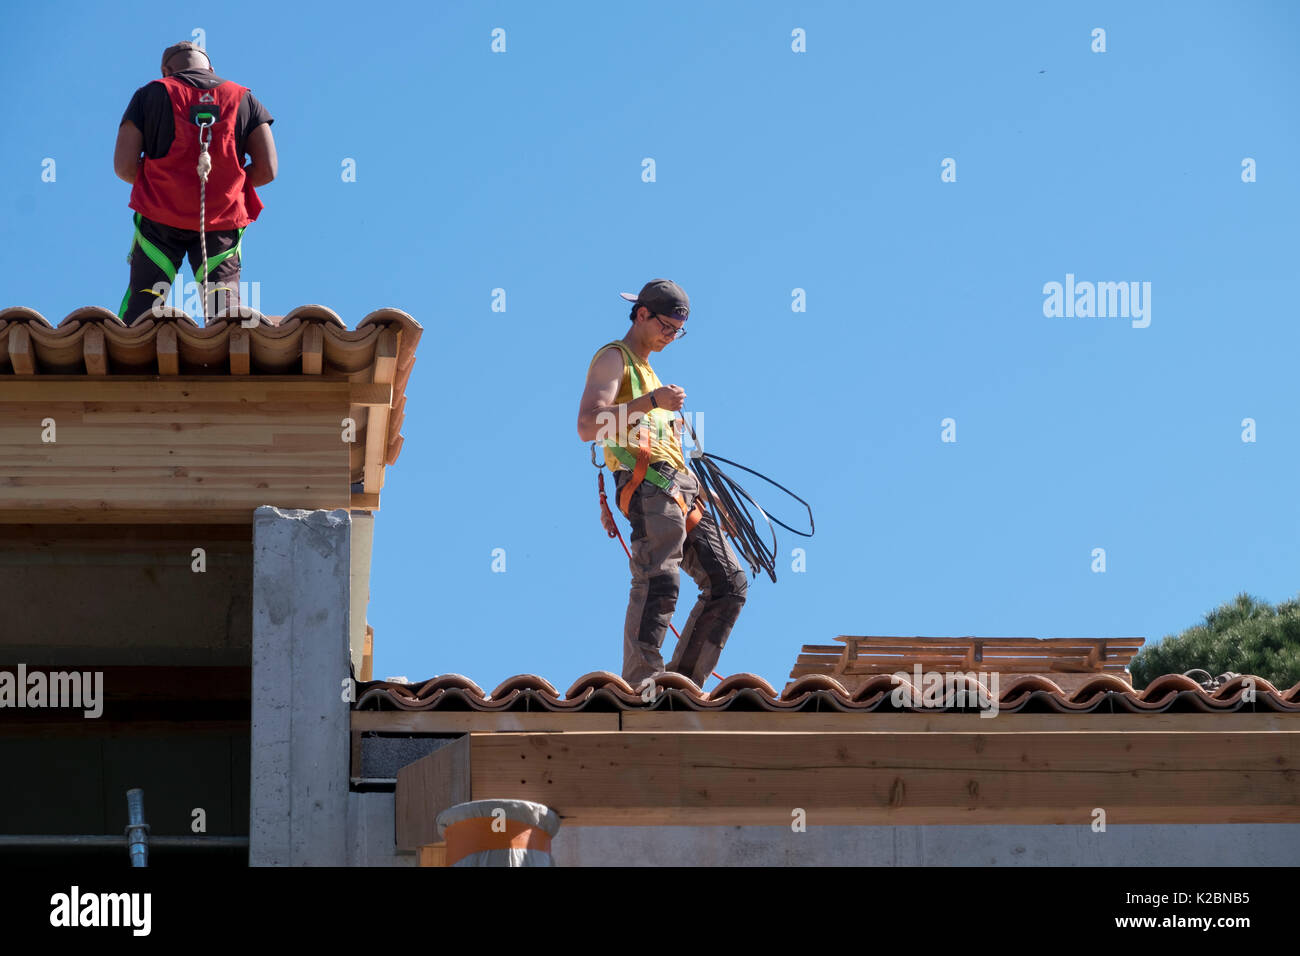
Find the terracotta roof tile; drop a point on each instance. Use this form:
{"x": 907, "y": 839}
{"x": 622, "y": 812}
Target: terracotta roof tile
{"x": 603, "y": 691}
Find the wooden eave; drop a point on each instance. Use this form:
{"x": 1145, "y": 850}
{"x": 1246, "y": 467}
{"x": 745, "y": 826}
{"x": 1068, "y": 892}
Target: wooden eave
{"x": 167, "y": 421}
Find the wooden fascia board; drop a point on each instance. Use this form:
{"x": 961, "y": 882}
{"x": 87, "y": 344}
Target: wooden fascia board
{"x": 663, "y": 779}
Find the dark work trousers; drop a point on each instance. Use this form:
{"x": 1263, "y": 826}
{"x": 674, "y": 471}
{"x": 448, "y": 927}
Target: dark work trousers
{"x": 660, "y": 546}
{"x": 148, "y": 278}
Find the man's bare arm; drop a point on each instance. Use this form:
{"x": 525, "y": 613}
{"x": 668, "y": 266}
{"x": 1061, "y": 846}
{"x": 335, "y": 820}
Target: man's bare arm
{"x": 263, "y": 164}
{"x": 602, "y": 388}
{"x": 127, "y": 152}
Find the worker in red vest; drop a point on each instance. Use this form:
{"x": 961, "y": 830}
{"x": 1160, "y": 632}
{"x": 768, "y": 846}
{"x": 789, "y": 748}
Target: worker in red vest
{"x": 158, "y": 152}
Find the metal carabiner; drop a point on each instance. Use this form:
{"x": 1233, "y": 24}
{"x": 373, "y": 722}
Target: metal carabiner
{"x": 598, "y": 464}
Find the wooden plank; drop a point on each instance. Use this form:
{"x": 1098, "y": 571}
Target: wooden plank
{"x": 433, "y": 854}
{"x": 394, "y": 449}
{"x": 92, "y": 351}
{"x": 685, "y": 721}
{"x": 993, "y": 641}
{"x": 150, "y": 388}
{"x": 364, "y": 502}
{"x": 20, "y": 351}
{"x": 664, "y": 779}
{"x": 386, "y": 356}
{"x": 131, "y": 449}
{"x": 463, "y": 722}
{"x": 377, "y": 417}
{"x": 239, "y": 352}
{"x": 370, "y": 394}
{"x": 169, "y": 360}
{"x": 426, "y": 788}
{"x": 368, "y": 655}
{"x": 313, "y": 346}
{"x": 376, "y": 445}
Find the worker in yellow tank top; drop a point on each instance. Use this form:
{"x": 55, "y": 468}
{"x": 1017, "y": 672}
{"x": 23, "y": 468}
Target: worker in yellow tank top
{"x": 640, "y": 379}
{"x": 670, "y": 530}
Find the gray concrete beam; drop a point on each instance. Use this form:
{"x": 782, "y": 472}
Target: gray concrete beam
{"x": 299, "y": 786}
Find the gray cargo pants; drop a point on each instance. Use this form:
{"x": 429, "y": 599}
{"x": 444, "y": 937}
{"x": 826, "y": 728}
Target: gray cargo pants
{"x": 659, "y": 546}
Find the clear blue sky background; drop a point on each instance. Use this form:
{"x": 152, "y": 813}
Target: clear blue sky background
{"x": 775, "y": 171}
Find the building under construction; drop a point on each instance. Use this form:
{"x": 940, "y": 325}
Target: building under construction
{"x": 186, "y": 519}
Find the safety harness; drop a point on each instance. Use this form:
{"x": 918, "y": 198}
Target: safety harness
{"x": 159, "y": 259}
{"x": 640, "y": 462}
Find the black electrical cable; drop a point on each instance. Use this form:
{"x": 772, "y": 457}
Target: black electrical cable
{"x": 723, "y": 490}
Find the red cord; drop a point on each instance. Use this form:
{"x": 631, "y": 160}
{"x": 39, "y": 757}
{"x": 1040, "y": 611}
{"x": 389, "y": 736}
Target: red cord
{"x": 611, "y": 523}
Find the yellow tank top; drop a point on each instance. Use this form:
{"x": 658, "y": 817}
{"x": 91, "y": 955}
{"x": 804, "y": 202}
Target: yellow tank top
{"x": 664, "y": 442}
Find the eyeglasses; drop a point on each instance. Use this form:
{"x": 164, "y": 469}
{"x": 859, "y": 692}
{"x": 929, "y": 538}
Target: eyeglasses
{"x": 677, "y": 333}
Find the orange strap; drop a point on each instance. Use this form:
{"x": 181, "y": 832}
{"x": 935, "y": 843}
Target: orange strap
{"x": 476, "y": 835}
{"x": 638, "y": 473}
{"x": 693, "y": 513}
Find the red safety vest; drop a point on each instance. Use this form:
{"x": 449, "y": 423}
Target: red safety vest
{"x": 166, "y": 190}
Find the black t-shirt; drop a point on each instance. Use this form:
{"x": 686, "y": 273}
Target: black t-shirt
{"x": 150, "y": 110}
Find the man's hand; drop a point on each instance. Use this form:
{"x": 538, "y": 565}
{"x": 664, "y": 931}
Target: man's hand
{"x": 670, "y": 397}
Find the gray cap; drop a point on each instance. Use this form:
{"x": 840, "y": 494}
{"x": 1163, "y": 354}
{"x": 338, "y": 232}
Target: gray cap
{"x": 662, "y": 297}
{"x": 181, "y": 47}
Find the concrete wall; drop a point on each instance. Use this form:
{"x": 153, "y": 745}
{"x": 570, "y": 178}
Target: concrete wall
{"x": 126, "y": 595}
{"x": 1237, "y": 844}
{"x": 371, "y": 843}
{"x": 372, "y": 832}
{"x": 299, "y": 802}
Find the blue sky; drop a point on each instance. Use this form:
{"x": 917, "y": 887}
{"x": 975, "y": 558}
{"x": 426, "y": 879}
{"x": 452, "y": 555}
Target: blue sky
{"x": 775, "y": 170}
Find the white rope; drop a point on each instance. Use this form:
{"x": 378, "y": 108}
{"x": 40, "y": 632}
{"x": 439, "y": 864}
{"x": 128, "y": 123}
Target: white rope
{"x": 205, "y": 167}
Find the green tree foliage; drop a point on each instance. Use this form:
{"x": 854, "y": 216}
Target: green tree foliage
{"x": 1247, "y": 636}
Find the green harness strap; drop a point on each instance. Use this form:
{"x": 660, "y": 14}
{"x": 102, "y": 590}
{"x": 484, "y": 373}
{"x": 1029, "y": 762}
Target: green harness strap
{"x": 221, "y": 257}
{"x": 622, "y": 454}
{"x": 162, "y": 262}
{"x": 155, "y": 255}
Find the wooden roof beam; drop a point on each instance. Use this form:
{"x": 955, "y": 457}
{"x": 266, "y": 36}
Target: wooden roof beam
{"x": 20, "y": 351}
{"x": 665, "y": 779}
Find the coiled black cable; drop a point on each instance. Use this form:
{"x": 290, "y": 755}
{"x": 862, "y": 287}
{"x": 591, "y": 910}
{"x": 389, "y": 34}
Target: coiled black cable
{"x": 727, "y": 492}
